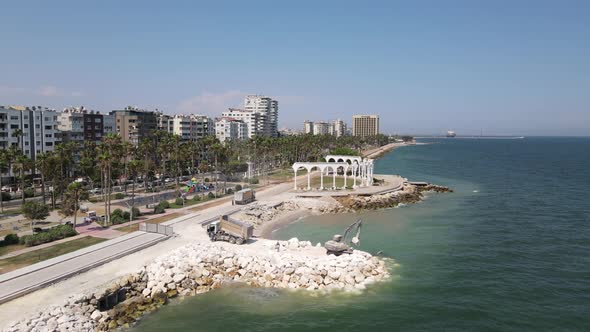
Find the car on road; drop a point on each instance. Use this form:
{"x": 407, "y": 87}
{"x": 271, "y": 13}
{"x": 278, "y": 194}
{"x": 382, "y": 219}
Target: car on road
{"x": 96, "y": 191}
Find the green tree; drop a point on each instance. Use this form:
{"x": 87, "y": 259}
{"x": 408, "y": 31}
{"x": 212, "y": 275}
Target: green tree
{"x": 35, "y": 211}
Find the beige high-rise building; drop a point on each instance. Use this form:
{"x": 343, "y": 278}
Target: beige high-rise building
{"x": 365, "y": 125}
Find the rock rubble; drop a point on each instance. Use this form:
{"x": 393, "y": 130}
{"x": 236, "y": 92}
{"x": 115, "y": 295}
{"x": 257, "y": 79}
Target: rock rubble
{"x": 408, "y": 194}
{"x": 198, "y": 268}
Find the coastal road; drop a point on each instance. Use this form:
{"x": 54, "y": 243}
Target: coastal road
{"x": 36, "y": 276}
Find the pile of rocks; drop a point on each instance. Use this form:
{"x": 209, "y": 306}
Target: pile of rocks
{"x": 408, "y": 194}
{"x": 258, "y": 214}
{"x": 198, "y": 268}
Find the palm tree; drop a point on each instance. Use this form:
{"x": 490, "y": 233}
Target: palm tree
{"x": 43, "y": 166}
{"x": 23, "y": 164}
{"x": 104, "y": 160}
{"x": 135, "y": 167}
{"x": 73, "y": 194}
{"x": 4, "y": 167}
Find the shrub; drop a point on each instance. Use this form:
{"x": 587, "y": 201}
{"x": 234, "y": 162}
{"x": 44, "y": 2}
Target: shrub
{"x": 253, "y": 181}
{"x": 159, "y": 209}
{"x": 29, "y": 192}
{"x": 54, "y": 233}
{"x": 135, "y": 212}
{"x": 229, "y": 191}
{"x": 119, "y": 196}
{"x": 179, "y": 201}
{"x": 116, "y": 213}
{"x": 11, "y": 239}
{"x": 2, "y": 244}
{"x": 238, "y": 187}
{"x": 126, "y": 216}
{"x": 164, "y": 204}
{"x": 197, "y": 198}
{"x": 207, "y": 180}
{"x": 23, "y": 239}
{"x": 29, "y": 241}
{"x": 210, "y": 195}
{"x": 117, "y": 217}
{"x": 6, "y": 196}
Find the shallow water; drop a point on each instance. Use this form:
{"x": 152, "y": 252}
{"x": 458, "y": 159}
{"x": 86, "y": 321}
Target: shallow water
{"x": 509, "y": 250}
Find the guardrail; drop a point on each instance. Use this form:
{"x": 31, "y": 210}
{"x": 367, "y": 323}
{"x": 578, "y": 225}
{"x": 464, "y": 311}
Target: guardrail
{"x": 156, "y": 228}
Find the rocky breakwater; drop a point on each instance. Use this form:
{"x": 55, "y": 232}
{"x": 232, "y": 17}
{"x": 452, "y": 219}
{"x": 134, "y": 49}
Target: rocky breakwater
{"x": 199, "y": 268}
{"x": 408, "y": 194}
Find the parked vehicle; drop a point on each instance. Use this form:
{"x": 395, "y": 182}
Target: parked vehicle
{"x": 90, "y": 217}
{"x": 230, "y": 230}
{"x": 244, "y": 196}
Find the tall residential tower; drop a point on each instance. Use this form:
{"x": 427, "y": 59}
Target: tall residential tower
{"x": 365, "y": 125}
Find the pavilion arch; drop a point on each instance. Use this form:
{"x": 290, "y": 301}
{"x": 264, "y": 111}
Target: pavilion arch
{"x": 322, "y": 167}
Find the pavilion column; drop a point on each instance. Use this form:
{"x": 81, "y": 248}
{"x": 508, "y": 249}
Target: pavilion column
{"x": 295, "y": 178}
{"x": 308, "y": 180}
{"x": 321, "y": 179}
{"x": 354, "y": 169}
{"x": 334, "y": 177}
{"x": 362, "y": 166}
{"x": 345, "y": 171}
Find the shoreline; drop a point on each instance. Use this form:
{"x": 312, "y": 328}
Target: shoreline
{"x": 267, "y": 230}
{"x": 381, "y": 151}
{"x": 187, "y": 233}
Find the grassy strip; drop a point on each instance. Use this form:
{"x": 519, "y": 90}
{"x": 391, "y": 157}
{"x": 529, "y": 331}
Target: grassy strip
{"x": 29, "y": 258}
{"x": 10, "y": 248}
{"x": 215, "y": 202}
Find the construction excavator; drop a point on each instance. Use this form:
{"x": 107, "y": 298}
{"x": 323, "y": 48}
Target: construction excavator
{"x": 340, "y": 244}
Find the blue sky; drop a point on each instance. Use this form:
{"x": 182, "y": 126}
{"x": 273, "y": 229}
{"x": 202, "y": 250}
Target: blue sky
{"x": 504, "y": 67}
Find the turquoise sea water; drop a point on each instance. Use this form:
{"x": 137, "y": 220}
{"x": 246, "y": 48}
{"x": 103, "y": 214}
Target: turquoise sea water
{"x": 508, "y": 251}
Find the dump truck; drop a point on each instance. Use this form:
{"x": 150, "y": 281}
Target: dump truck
{"x": 244, "y": 196}
{"x": 230, "y": 230}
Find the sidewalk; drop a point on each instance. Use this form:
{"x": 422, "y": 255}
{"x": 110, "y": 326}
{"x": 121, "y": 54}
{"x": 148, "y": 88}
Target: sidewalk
{"x": 97, "y": 230}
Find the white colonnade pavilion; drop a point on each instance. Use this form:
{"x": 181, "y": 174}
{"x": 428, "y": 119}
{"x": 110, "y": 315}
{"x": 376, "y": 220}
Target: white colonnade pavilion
{"x": 361, "y": 170}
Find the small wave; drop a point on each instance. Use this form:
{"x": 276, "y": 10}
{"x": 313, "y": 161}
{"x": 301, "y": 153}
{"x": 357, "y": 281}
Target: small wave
{"x": 476, "y": 191}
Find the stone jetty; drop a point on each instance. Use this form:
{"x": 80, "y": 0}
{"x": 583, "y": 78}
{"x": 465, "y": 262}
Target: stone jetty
{"x": 200, "y": 267}
{"x": 408, "y": 194}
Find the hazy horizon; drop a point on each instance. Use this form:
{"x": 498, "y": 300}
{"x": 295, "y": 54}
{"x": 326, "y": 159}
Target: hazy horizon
{"x": 425, "y": 67}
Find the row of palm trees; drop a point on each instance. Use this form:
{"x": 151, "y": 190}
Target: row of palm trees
{"x": 163, "y": 154}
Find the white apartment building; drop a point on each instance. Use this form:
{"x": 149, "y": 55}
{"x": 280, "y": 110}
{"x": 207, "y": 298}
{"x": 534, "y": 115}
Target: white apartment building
{"x": 192, "y": 127}
{"x": 338, "y": 128}
{"x": 308, "y": 127}
{"x": 268, "y": 112}
{"x": 188, "y": 127}
{"x": 321, "y": 128}
{"x": 250, "y": 118}
{"x": 37, "y": 125}
{"x": 228, "y": 129}
{"x": 71, "y": 124}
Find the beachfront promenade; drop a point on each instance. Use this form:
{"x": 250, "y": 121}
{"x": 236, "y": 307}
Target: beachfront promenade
{"x": 189, "y": 230}
{"x": 22, "y": 281}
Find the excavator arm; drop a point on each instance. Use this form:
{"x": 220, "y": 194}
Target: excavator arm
{"x": 357, "y": 238}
